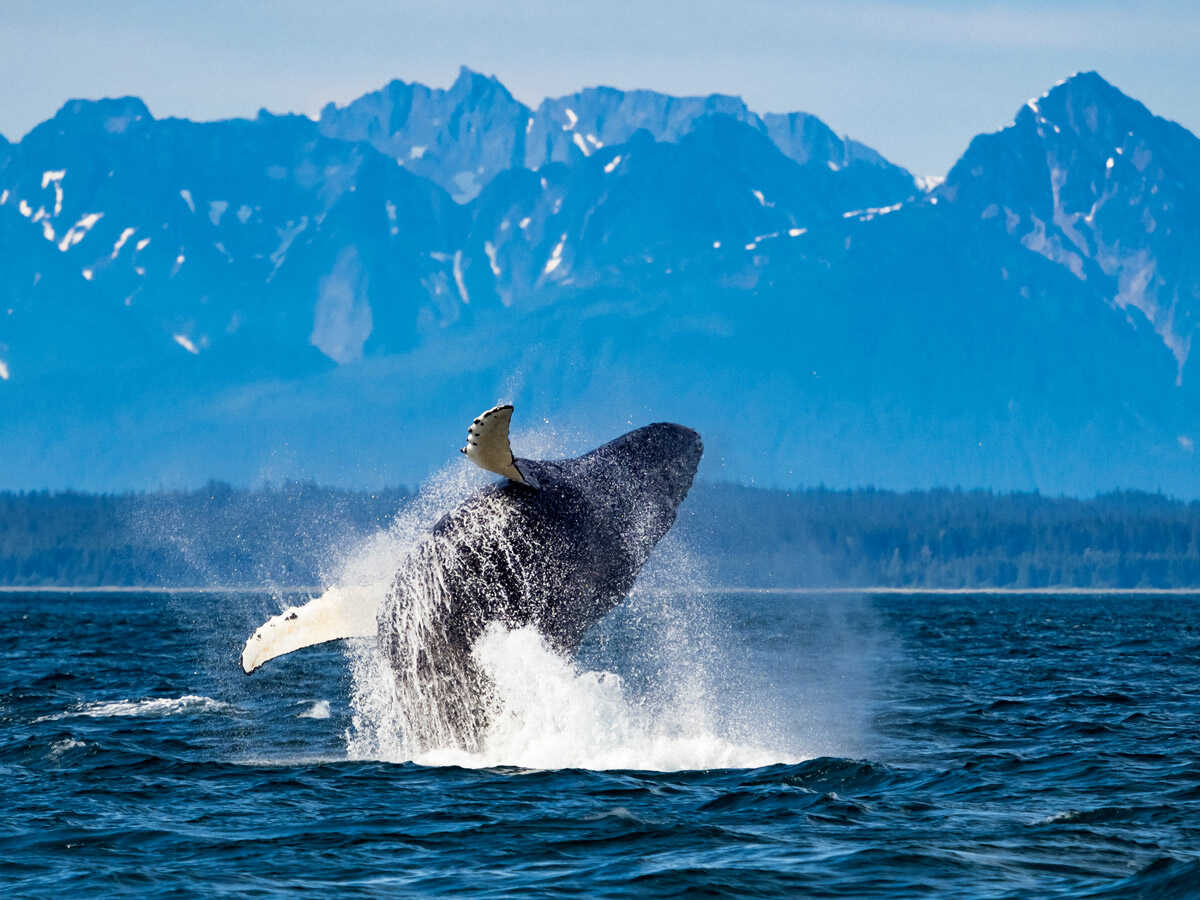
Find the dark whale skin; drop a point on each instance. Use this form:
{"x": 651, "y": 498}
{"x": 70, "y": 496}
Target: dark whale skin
{"x": 557, "y": 557}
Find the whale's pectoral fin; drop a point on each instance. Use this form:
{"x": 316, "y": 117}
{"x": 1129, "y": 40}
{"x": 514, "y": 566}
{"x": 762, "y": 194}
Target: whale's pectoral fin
{"x": 338, "y": 613}
{"x": 487, "y": 445}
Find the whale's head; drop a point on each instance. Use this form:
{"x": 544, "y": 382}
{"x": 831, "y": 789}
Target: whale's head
{"x": 640, "y": 478}
{"x": 659, "y": 460}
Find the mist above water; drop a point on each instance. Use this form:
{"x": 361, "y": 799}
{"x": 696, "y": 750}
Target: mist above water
{"x": 652, "y": 688}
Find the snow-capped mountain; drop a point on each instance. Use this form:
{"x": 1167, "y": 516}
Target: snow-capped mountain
{"x": 281, "y": 297}
{"x": 1090, "y": 179}
{"x": 462, "y": 137}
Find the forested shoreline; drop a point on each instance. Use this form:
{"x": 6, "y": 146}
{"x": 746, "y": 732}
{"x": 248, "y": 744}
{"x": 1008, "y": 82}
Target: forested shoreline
{"x": 294, "y": 535}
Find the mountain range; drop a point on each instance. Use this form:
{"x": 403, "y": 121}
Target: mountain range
{"x": 336, "y": 299}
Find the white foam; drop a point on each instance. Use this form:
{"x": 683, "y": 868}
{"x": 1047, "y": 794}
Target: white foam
{"x": 319, "y": 710}
{"x": 551, "y": 714}
{"x": 187, "y": 198}
{"x": 548, "y": 711}
{"x": 216, "y": 209}
{"x": 612, "y": 164}
{"x": 189, "y": 704}
{"x": 3, "y": 370}
{"x": 186, "y": 343}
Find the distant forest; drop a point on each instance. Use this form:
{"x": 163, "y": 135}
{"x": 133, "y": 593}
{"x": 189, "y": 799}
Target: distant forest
{"x": 290, "y": 535}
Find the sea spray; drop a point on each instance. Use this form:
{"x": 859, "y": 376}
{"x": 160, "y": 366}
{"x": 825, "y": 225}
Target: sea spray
{"x": 514, "y": 699}
{"x": 547, "y": 712}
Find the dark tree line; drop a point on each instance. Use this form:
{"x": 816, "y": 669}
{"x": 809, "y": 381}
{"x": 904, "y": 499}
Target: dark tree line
{"x": 950, "y": 538}
{"x": 288, "y": 535}
{"x": 216, "y": 535}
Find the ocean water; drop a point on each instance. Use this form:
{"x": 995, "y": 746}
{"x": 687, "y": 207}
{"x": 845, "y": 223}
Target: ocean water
{"x": 717, "y": 744}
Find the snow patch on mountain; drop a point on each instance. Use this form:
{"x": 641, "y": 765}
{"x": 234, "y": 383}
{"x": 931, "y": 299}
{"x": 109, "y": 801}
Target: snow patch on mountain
{"x": 555, "y": 259}
{"x": 126, "y": 234}
{"x": 342, "y": 318}
{"x": 79, "y": 230}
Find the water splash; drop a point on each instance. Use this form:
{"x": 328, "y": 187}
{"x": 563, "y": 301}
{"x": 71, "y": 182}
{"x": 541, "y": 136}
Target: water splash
{"x": 514, "y": 700}
{"x": 190, "y": 704}
{"x": 319, "y": 710}
{"x": 550, "y": 713}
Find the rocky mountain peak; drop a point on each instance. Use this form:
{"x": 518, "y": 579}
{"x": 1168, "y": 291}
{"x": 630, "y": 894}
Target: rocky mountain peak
{"x": 1092, "y": 180}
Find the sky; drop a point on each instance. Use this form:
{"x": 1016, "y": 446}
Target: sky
{"x": 915, "y": 80}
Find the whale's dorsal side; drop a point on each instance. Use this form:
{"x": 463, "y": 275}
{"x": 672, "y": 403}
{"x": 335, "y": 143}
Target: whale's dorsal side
{"x": 488, "y": 447}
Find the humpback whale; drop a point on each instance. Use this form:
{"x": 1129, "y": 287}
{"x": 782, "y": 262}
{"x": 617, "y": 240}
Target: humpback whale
{"x": 555, "y": 545}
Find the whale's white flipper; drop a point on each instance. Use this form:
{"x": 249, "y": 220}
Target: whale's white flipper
{"x": 487, "y": 444}
{"x": 338, "y": 613}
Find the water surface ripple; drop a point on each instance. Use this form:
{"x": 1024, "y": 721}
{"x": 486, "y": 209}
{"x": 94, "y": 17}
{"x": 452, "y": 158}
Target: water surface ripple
{"x": 952, "y": 746}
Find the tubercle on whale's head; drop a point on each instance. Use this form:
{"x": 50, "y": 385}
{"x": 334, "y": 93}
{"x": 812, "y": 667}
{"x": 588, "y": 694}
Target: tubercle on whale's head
{"x": 651, "y": 467}
{"x": 678, "y": 449}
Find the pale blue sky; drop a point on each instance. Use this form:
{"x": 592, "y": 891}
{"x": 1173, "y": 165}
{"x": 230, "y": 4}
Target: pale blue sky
{"x": 914, "y": 79}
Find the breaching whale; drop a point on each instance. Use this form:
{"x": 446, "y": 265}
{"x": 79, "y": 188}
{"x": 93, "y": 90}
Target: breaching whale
{"x": 556, "y": 545}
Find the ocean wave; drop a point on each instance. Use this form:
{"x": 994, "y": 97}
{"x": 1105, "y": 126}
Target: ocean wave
{"x": 1165, "y": 878}
{"x": 58, "y": 748}
{"x": 551, "y": 714}
{"x": 189, "y": 704}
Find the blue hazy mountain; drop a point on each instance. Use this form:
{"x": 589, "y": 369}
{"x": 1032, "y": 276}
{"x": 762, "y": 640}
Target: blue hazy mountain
{"x": 280, "y": 297}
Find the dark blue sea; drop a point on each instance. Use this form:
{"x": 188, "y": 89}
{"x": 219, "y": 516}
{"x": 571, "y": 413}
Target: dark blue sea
{"x": 723, "y": 745}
